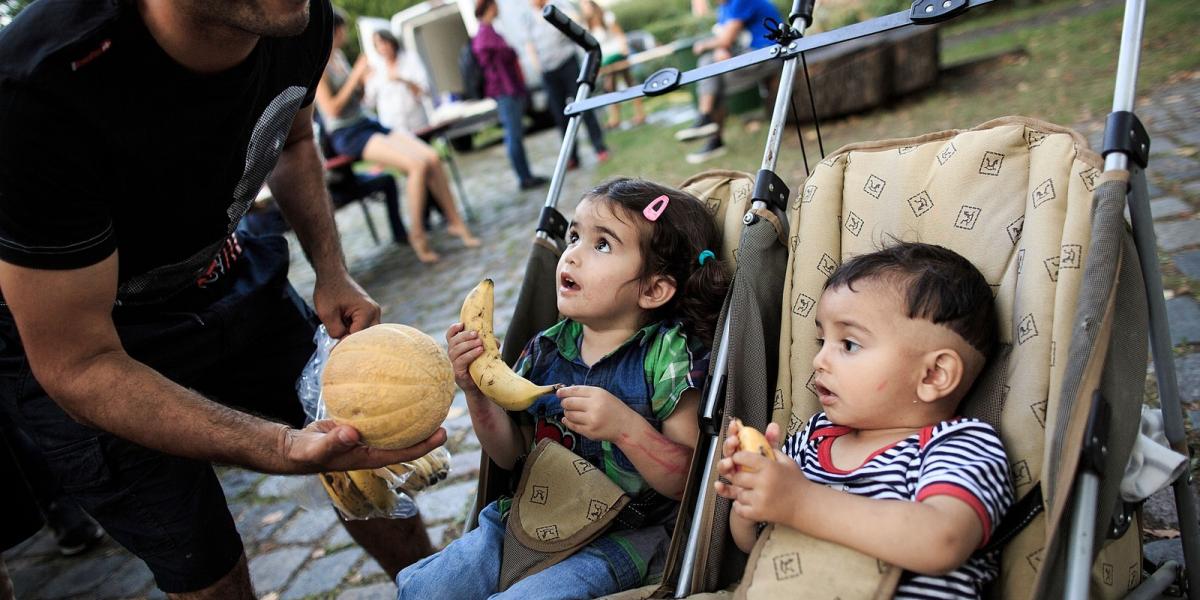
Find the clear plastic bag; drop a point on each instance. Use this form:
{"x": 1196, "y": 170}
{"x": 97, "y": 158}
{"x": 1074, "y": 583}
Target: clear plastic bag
{"x": 375, "y": 493}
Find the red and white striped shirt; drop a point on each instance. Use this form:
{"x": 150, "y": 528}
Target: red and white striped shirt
{"x": 963, "y": 458}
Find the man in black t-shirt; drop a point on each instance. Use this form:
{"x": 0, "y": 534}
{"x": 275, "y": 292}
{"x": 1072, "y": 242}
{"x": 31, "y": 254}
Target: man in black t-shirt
{"x": 133, "y": 137}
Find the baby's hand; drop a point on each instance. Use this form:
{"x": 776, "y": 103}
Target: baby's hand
{"x": 464, "y": 347}
{"x": 594, "y": 413}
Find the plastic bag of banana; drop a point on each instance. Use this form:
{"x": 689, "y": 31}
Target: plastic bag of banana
{"x": 385, "y": 492}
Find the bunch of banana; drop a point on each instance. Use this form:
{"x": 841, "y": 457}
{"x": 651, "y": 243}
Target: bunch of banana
{"x": 751, "y": 440}
{"x": 359, "y": 494}
{"x": 416, "y": 475}
{"x": 494, "y": 378}
{"x": 372, "y": 493}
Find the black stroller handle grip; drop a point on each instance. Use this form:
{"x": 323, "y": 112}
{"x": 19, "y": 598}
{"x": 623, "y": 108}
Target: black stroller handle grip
{"x": 570, "y": 28}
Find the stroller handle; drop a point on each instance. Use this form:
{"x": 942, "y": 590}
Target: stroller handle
{"x": 570, "y": 28}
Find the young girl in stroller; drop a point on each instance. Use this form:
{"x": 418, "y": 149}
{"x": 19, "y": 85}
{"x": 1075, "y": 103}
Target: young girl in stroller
{"x": 639, "y": 287}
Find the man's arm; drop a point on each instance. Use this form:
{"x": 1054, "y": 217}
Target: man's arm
{"x": 298, "y": 185}
{"x": 65, "y": 322}
{"x": 727, "y": 34}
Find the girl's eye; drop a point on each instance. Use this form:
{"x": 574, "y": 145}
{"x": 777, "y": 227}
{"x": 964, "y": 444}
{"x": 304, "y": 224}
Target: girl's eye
{"x": 603, "y": 246}
{"x": 850, "y": 346}
{"x": 820, "y": 342}
{"x": 572, "y": 237}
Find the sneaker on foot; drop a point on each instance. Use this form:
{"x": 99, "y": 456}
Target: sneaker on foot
{"x": 534, "y": 182}
{"x": 714, "y": 148}
{"x": 704, "y": 126}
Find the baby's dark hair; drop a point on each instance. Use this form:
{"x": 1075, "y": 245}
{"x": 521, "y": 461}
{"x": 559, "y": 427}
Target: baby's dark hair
{"x": 339, "y": 17}
{"x": 671, "y": 246}
{"x": 943, "y": 287}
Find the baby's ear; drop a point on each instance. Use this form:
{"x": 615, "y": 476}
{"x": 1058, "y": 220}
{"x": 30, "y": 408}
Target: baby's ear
{"x": 657, "y": 292}
{"x": 943, "y": 371}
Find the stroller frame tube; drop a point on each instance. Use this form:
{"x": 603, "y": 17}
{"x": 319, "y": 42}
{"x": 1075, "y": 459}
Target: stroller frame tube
{"x": 1146, "y": 243}
{"x": 715, "y": 391}
{"x": 1083, "y": 528}
{"x": 564, "y": 153}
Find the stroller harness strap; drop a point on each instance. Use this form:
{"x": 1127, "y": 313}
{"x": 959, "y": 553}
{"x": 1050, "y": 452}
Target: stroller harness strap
{"x": 563, "y": 502}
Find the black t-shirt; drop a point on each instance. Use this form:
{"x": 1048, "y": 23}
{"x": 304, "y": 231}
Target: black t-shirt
{"x": 108, "y": 144}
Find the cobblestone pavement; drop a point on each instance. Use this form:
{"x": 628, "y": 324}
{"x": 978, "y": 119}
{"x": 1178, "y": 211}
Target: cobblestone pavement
{"x": 298, "y": 553}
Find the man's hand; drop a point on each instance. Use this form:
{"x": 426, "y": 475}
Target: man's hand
{"x": 721, "y": 53}
{"x": 594, "y": 413}
{"x": 769, "y": 493}
{"x": 327, "y": 446}
{"x": 343, "y": 306}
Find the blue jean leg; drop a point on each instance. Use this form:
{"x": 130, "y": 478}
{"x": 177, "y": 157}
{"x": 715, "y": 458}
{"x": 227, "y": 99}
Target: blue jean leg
{"x": 468, "y": 568}
{"x": 510, "y": 109}
{"x": 586, "y": 574}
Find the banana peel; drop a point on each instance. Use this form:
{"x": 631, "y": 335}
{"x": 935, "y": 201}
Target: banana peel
{"x": 494, "y": 377}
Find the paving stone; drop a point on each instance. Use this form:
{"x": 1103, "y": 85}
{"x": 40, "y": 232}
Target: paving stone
{"x": 1192, "y": 189}
{"x": 465, "y": 463}
{"x": 130, "y": 579}
{"x": 281, "y": 486}
{"x": 1160, "y": 551}
{"x": 309, "y": 526}
{"x": 460, "y": 423}
{"x": 445, "y": 503}
{"x": 1183, "y": 314}
{"x": 323, "y": 575}
{"x": 370, "y": 568}
{"x": 1175, "y": 235}
{"x": 270, "y": 571}
{"x": 258, "y": 522}
{"x": 1187, "y": 377}
{"x": 378, "y": 591}
{"x": 1169, "y": 206}
{"x": 236, "y": 481}
{"x": 1188, "y": 262}
{"x": 437, "y": 536}
{"x": 83, "y": 575}
{"x": 339, "y": 538}
{"x": 1161, "y": 145}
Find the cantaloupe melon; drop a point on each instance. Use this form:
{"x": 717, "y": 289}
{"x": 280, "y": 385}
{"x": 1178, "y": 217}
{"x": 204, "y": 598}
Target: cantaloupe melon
{"x": 391, "y": 382}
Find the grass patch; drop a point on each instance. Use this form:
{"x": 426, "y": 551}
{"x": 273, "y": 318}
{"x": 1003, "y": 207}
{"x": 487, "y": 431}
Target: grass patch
{"x": 1059, "y": 70}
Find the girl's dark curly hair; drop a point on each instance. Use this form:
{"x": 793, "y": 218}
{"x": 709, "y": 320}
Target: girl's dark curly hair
{"x": 671, "y": 247}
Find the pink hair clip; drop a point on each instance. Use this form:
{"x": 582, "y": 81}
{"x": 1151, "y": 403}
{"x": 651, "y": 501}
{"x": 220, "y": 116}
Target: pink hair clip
{"x": 656, "y": 208}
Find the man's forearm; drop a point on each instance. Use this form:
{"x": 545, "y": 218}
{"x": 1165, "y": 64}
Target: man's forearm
{"x": 118, "y": 394}
{"x": 298, "y": 186}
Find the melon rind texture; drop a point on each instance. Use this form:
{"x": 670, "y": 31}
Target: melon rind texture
{"x": 391, "y": 382}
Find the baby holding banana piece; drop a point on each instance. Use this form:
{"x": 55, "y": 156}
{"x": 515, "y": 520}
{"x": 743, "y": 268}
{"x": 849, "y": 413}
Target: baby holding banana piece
{"x": 903, "y": 333}
{"x": 615, "y": 383}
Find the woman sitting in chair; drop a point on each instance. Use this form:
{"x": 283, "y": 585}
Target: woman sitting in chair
{"x": 353, "y": 133}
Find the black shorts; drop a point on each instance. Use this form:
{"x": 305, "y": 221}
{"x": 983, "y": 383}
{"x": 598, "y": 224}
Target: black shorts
{"x": 243, "y": 344}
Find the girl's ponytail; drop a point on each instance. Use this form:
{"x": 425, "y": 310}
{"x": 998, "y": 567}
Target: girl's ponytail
{"x": 701, "y": 297}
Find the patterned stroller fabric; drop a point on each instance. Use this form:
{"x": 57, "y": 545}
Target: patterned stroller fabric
{"x": 1014, "y": 196}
